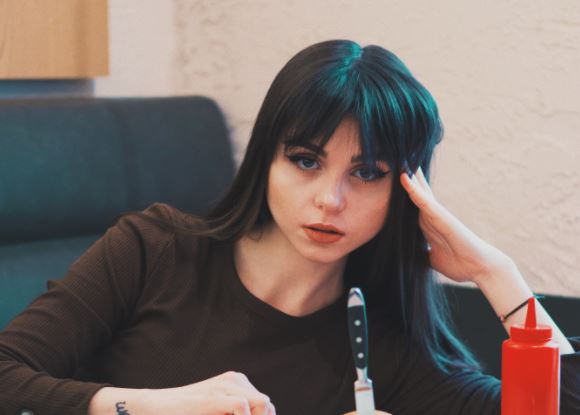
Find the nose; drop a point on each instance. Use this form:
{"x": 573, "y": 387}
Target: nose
{"x": 331, "y": 197}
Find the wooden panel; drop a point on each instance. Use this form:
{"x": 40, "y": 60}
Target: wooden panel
{"x": 53, "y": 39}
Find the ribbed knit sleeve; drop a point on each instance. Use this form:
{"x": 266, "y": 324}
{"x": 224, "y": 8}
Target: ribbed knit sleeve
{"x": 43, "y": 347}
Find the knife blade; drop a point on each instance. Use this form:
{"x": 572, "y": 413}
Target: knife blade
{"x": 358, "y": 332}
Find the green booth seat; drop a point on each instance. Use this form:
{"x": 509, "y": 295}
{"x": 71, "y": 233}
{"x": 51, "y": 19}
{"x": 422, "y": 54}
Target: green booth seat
{"x": 70, "y": 166}
{"x": 34, "y": 263}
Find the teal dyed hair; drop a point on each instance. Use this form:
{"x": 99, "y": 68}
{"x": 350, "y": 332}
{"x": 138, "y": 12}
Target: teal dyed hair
{"x": 395, "y": 113}
{"x": 398, "y": 121}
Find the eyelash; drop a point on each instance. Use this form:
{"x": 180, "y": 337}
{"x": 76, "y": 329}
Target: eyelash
{"x": 296, "y": 159}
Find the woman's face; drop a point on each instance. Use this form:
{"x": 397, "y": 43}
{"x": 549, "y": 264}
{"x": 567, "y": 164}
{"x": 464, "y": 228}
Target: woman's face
{"x": 326, "y": 202}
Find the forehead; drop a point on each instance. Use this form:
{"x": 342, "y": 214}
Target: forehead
{"x": 346, "y": 136}
{"x": 347, "y": 132}
{"x": 345, "y": 139}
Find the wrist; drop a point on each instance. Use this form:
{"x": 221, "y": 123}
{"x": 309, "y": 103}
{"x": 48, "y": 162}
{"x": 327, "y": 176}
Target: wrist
{"x": 110, "y": 400}
{"x": 505, "y": 288}
{"x": 500, "y": 270}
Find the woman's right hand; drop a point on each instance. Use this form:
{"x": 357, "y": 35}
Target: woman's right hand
{"x": 230, "y": 393}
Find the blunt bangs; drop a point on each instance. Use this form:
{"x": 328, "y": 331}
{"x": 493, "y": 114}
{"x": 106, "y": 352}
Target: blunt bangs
{"x": 397, "y": 117}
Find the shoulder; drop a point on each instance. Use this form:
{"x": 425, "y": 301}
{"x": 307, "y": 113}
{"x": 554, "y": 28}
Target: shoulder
{"x": 139, "y": 246}
{"x": 159, "y": 221}
{"x": 150, "y": 228}
{"x": 133, "y": 241}
{"x": 136, "y": 240}
{"x": 158, "y": 228}
{"x": 157, "y": 213}
{"x": 169, "y": 214}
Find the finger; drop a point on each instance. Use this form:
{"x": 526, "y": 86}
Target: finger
{"x": 262, "y": 407}
{"x": 241, "y": 402}
{"x": 236, "y": 405}
{"x": 417, "y": 193}
{"x": 271, "y": 410}
{"x": 423, "y": 181}
{"x": 259, "y": 403}
{"x": 238, "y": 384}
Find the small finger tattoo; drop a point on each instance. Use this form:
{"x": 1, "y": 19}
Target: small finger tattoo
{"x": 121, "y": 410}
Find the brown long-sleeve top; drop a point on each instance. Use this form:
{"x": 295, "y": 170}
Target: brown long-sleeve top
{"x": 140, "y": 310}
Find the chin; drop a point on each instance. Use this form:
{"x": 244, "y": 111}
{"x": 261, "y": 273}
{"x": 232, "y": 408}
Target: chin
{"x": 323, "y": 255}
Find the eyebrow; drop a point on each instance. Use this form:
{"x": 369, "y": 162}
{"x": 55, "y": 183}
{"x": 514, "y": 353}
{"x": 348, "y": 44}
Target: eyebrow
{"x": 320, "y": 151}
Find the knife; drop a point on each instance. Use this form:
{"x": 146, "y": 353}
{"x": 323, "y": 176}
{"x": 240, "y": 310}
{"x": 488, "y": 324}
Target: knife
{"x": 357, "y": 329}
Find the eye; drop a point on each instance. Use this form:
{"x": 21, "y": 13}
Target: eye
{"x": 303, "y": 162}
{"x": 369, "y": 174}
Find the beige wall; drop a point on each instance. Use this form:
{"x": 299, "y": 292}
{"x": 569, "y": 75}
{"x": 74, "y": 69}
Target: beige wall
{"x": 142, "y": 49}
{"x": 505, "y": 74}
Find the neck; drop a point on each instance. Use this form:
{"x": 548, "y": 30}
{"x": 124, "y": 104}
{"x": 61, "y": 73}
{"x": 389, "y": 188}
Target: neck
{"x": 273, "y": 271}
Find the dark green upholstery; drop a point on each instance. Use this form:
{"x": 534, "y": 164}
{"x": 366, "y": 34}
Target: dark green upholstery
{"x": 68, "y": 167}
{"x": 25, "y": 267}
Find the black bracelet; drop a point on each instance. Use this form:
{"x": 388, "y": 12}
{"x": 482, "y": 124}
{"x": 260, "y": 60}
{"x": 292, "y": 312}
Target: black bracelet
{"x": 503, "y": 318}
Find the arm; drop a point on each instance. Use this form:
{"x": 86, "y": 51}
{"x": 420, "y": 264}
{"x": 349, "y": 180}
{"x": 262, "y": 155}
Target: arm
{"x": 228, "y": 393}
{"x": 459, "y": 254}
{"x": 456, "y": 252}
{"x": 42, "y": 348}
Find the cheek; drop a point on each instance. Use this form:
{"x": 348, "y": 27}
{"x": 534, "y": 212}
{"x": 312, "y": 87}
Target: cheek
{"x": 282, "y": 194}
{"x": 374, "y": 218}
{"x": 372, "y": 213}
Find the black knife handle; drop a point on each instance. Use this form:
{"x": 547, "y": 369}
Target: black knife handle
{"x": 357, "y": 329}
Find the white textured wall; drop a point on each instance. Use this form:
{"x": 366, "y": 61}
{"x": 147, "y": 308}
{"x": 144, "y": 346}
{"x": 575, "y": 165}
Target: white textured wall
{"x": 142, "y": 49}
{"x": 505, "y": 74}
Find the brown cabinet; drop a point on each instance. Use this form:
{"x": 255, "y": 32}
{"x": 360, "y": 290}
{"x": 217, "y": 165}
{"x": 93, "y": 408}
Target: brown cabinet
{"x": 53, "y": 39}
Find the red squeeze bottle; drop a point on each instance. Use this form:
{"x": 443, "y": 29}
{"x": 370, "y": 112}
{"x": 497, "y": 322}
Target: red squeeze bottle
{"x": 530, "y": 370}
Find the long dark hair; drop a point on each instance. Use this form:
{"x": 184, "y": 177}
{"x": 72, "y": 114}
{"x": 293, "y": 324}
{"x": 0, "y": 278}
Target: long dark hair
{"x": 317, "y": 89}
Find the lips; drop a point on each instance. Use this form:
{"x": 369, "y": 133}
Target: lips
{"x": 321, "y": 233}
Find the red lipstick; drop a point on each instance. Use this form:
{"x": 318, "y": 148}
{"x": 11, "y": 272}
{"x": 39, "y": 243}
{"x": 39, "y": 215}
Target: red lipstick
{"x": 321, "y": 233}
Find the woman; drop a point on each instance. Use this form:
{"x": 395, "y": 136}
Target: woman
{"x": 244, "y": 311}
